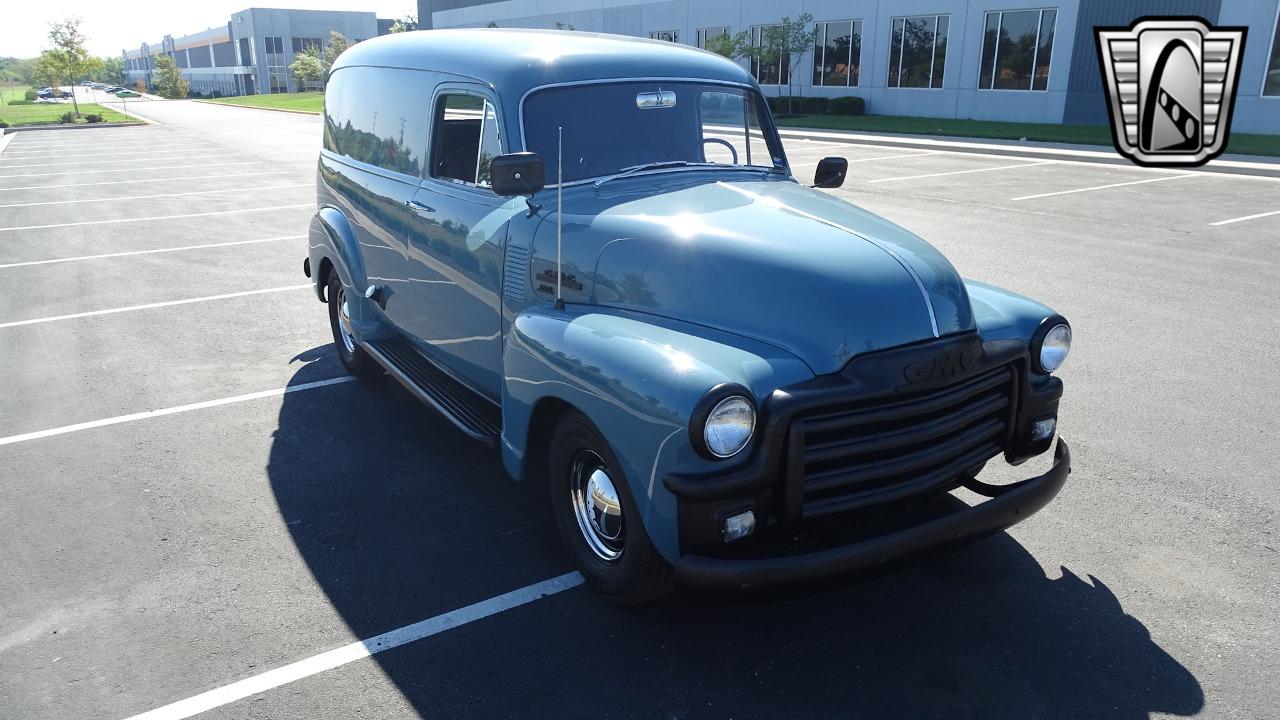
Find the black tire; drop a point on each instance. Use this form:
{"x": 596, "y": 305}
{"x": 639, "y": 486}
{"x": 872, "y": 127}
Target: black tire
{"x": 639, "y": 574}
{"x": 353, "y": 357}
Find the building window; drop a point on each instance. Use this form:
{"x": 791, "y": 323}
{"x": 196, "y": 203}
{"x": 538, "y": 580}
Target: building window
{"x": 918, "y": 51}
{"x": 836, "y": 52}
{"x": 705, "y": 34}
{"x": 300, "y": 45}
{"x": 277, "y": 73}
{"x": 773, "y": 71}
{"x": 1015, "y": 50}
{"x": 1271, "y": 83}
{"x": 668, "y": 35}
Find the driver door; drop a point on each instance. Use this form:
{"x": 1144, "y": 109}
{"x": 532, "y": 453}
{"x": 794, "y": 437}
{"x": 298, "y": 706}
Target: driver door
{"x": 457, "y": 231}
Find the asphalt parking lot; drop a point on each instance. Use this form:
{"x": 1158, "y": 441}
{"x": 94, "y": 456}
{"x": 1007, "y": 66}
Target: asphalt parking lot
{"x": 196, "y": 505}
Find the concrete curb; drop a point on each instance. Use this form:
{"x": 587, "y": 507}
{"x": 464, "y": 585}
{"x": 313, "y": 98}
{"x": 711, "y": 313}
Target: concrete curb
{"x": 5, "y": 139}
{"x": 85, "y": 126}
{"x": 251, "y": 107}
{"x": 1231, "y": 164}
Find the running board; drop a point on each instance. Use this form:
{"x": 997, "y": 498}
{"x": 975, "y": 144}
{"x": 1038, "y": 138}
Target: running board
{"x": 474, "y": 415}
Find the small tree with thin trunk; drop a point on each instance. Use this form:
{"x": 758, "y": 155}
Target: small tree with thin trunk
{"x": 788, "y": 41}
{"x": 69, "y": 59}
{"x": 169, "y": 80}
{"x": 308, "y": 66}
{"x": 338, "y": 44}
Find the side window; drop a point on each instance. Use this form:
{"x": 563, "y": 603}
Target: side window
{"x": 371, "y": 115}
{"x": 730, "y": 120}
{"x": 465, "y": 139}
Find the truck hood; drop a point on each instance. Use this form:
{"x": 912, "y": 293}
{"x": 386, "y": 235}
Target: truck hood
{"x": 771, "y": 260}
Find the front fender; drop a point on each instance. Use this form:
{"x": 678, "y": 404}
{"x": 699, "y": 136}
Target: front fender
{"x": 638, "y": 378}
{"x": 1003, "y": 315}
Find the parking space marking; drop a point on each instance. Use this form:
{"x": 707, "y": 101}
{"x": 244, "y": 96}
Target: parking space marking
{"x": 163, "y": 195}
{"x": 1107, "y": 187}
{"x": 150, "y": 306}
{"x": 149, "y": 180}
{"x": 1246, "y": 217}
{"x": 135, "y": 169}
{"x": 203, "y": 246}
{"x": 147, "y": 414}
{"x": 965, "y": 172}
{"x": 117, "y": 161}
{"x": 361, "y": 649}
{"x": 57, "y": 153}
{"x": 159, "y": 217}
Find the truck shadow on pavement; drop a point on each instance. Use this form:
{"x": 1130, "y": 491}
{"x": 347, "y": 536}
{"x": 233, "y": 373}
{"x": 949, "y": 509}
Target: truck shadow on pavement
{"x": 399, "y": 517}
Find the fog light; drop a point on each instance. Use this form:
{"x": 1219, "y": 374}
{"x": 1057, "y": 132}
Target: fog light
{"x": 1043, "y": 429}
{"x": 739, "y": 526}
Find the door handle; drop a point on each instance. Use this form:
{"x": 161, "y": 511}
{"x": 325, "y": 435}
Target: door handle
{"x": 416, "y": 205}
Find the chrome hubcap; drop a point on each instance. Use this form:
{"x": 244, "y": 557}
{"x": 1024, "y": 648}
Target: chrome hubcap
{"x": 344, "y": 321}
{"x": 596, "y": 506}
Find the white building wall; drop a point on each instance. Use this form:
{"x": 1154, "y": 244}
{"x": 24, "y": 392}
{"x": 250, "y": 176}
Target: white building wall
{"x": 959, "y": 96}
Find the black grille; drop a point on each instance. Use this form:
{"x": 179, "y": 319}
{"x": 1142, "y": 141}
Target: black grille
{"x": 858, "y": 454}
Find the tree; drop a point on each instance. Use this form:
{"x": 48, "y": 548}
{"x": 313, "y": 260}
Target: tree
{"x": 308, "y": 66}
{"x": 168, "y": 78}
{"x": 726, "y": 45}
{"x": 110, "y": 70}
{"x": 69, "y": 61}
{"x": 786, "y": 42}
{"x": 408, "y": 23}
{"x": 338, "y": 43}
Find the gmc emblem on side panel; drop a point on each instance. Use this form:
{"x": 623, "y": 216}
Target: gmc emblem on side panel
{"x": 946, "y": 365}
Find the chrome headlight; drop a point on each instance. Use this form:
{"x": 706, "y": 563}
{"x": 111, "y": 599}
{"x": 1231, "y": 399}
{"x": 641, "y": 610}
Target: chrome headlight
{"x": 728, "y": 426}
{"x": 1054, "y": 345}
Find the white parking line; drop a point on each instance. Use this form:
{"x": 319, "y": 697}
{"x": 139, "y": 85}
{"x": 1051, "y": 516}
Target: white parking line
{"x": 164, "y": 195}
{"x": 149, "y": 306}
{"x": 149, "y": 180}
{"x": 132, "y": 417}
{"x": 116, "y": 161}
{"x": 159, "y": 217}
{"x": 1246, "y": 217}
{"x": 29, "y": 263}
{"x": 1112, "y": 185}
{"x": 361, "y": 649}
{"x": 964, "y": 172}
{"x": 52, "y": 154}
{"x": 135, "y": 169}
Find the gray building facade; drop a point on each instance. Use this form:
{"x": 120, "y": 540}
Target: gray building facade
{"x": 251, "y": 54}
{"x": 1010, "y": 60}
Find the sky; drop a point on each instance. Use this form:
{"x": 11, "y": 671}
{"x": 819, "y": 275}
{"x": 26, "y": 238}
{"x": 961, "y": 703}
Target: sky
{"x": 112, "y": 27}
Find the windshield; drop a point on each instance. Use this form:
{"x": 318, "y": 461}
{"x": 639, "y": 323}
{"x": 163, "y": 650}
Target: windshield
{"x": 612, "y": 128}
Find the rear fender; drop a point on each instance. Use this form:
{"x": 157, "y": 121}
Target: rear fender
{"x": 333, "y": 241}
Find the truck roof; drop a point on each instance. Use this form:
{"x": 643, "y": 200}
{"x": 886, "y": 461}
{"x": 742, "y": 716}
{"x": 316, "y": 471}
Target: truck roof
{"x": 516, "y": 60}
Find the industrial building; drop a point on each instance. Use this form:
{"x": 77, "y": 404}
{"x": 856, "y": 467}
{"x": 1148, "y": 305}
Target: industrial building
{"x": 933, "y": 58}
{"x": 251, "y": 54}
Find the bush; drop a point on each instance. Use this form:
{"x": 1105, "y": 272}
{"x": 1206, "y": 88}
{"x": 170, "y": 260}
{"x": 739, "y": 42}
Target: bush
{"x": 3, "y": 124}
{"x": 21, "y": 102}
{"x": 848, "y": 105}
{"x": 31, "y": 95}
{"x": 67, "y": 118}
{"x": 93, "y": 118}
{"x": 814, "y": 105}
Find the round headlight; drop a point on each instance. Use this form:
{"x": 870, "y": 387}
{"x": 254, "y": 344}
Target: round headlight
{"x": 1054, "y": 347}
{"x": 729, "y": 426}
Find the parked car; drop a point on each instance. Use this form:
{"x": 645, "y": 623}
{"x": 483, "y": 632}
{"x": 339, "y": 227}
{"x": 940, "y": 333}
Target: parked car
{"x": 113, "y": 89}
{"x": 593, "y": 255}
{"x": 126, "y": 94}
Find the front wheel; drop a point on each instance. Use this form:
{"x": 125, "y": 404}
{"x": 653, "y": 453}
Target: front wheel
{"x": 353, "y": 357}
{"x": 598, "y": 517}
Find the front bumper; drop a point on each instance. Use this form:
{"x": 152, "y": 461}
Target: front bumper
{"x": 1010, "y": 505}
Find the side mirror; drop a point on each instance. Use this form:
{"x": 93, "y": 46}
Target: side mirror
{"x": 515, "y": 174}
{"x": 830, "y": 172}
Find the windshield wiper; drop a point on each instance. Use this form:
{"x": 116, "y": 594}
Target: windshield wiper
{"x": 653, "y": 166}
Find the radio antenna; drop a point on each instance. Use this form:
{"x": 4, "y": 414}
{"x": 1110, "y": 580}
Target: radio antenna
{"x": 559, "y": 210}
